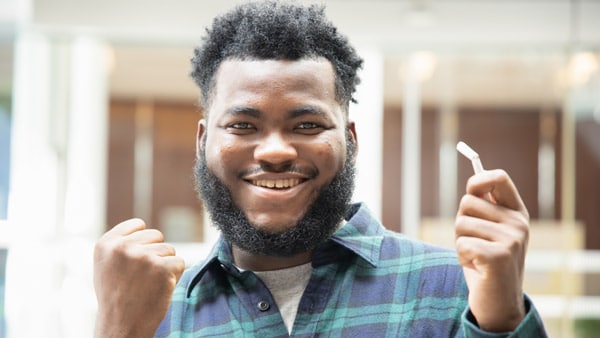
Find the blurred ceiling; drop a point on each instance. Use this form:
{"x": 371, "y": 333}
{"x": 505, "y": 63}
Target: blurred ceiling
{"x": 487, "y": 51}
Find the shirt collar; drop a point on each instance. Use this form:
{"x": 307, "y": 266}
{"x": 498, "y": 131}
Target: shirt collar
{"x": 361, "y": 234}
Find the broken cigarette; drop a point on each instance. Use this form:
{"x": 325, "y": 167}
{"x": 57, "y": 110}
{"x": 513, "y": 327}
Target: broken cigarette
{"x": 472, "y": 155}
{"x": 469, "y": 153}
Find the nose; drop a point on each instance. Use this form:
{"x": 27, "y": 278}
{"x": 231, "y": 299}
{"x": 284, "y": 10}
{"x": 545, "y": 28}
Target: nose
{"x": 275, "y": 151}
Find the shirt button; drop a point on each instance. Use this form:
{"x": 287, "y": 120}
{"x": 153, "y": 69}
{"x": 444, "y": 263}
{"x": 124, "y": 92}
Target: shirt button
{"x": 263, "y": 306}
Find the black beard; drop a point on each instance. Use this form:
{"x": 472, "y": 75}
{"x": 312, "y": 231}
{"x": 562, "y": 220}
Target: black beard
{"x": 316, "y": 226}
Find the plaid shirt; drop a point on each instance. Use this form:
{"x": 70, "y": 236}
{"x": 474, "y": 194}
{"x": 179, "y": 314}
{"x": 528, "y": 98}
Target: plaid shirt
{"x": 366, "y": 282}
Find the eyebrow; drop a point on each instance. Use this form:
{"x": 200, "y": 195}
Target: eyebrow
{"x": 243, "y": 110}
{"x": 294, "y": 113}
{"x": 306, "y": 110}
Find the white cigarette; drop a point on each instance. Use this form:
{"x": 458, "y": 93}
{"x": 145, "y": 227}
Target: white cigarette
{"x": 469, "y": 153}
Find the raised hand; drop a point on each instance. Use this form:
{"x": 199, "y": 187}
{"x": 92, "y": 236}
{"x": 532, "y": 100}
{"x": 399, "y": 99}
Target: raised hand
{"x": 135, "y": 274}
{"x": 491, "y": 243}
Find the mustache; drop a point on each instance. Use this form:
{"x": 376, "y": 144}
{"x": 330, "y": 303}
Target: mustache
{"x": 309, "y": 172}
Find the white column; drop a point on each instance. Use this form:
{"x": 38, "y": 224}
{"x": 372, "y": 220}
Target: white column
{"x": 85, "y": 194}
{"x": 57, "y": 198}
{"x": 448, "y": 171}
{"x": 419, "y": 68}
{"x": 568, "y": 160}
{"x": 368, "y": 115}
{"x": 411, "y": 153}
{"x": 87, "y": 142}
{"x": 143, "y": 160}
{"x": 33, "y": 268}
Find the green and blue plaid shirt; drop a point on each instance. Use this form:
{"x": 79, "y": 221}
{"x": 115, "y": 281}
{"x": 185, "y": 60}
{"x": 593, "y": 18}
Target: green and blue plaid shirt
{"x": 366, "y": 282}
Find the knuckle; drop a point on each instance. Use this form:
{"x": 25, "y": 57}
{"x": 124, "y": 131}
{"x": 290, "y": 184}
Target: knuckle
{"x": 458, "y": 220}
{"x": 463, "y": 250}
{"x": 458, "y": 241}
{"x": 99, "y": 250}
{"x": 520, "y": 222}
{"x": 464, "y": 202}
{"x": 106, "y": 247}
{"x": 522, "y": 227}
{"x": 501, "y": 175}
{"x": 460, "y": 223}
{"x": 513, "y": 246}
{"x": 505, "y": 253}
{"x": 523, "y": 220}
{"x": 121, "y": 248}
{"x": 180, "y": 267}
{"x": 170, "y": 250}
{"x": 155, "y": 235}
{"x": 461, "y": 245}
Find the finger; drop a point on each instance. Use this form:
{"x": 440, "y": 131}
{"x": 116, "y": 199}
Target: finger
{"x": 145, "y": 236}
{"x": 479, "y": 208}
{"x": 474, "y": 251}
{"x": 471, "y": 205}
{"x": 498, "y": 183}
{"x": 161, "y": 249}
{"x": 475, "y": 227}
{"x": 176, "y": 264}
{"x": 125, "y": 228}
{"x": 492, "y": 231}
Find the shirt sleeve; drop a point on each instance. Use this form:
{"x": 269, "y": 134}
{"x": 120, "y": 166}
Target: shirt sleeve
{"x": 531, "y": 326}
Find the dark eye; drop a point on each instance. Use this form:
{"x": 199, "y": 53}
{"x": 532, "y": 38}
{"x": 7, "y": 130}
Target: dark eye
{"x": 307, "y": 125}
{"x": 241, "y": 128}
{"x": 308, "y": 128}
{"x": 241, "y": 125}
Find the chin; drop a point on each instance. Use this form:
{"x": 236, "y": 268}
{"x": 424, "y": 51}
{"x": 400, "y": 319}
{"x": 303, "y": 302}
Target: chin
{"x": 274, "y": 225}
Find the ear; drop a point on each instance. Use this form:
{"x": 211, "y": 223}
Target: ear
{"x": 199, "y": 136}
{"x": 352, "y": 136}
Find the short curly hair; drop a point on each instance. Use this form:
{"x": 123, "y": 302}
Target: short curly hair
{"x": 280, "y": 31}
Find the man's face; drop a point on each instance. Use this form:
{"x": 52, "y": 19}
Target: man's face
{"x": 275, "y": 137}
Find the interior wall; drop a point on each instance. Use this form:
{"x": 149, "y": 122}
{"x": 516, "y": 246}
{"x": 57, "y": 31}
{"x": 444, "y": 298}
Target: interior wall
{"x": 174, "y": 207}
{"x": 587, "y": 206}
{"x": 506, "y": 138}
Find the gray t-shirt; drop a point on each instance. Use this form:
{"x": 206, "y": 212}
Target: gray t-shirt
{"x": 287, "y": 286}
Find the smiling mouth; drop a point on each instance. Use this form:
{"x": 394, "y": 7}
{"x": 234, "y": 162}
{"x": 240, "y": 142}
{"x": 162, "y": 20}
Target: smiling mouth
{"x": 277, "y": 184}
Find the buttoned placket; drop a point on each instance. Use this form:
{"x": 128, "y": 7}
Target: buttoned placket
{"x": 255, "y": 297}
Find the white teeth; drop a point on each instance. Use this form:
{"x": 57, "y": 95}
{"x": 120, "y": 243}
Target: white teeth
{"x": 280, "y": 184}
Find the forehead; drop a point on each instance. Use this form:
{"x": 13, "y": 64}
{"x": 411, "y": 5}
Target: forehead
{"x": 247, "y": 81}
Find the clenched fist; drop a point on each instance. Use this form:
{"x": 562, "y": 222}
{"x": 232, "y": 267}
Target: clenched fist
{"x": 135, "y": 274}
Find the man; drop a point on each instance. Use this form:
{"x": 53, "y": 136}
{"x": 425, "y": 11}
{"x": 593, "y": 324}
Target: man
{"x": 275, "y": 170}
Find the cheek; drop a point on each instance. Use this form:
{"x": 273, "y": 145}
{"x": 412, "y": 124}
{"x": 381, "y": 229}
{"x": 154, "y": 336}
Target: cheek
{"x": 223, "y": 158}
{"x": 330, "y": 156}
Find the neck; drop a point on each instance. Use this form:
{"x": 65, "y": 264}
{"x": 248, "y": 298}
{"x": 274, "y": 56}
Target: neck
{"x": 257, "y": 262}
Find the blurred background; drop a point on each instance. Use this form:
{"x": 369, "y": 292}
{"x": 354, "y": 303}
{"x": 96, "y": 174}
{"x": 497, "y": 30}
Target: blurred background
{"x": 98, "y": 118}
